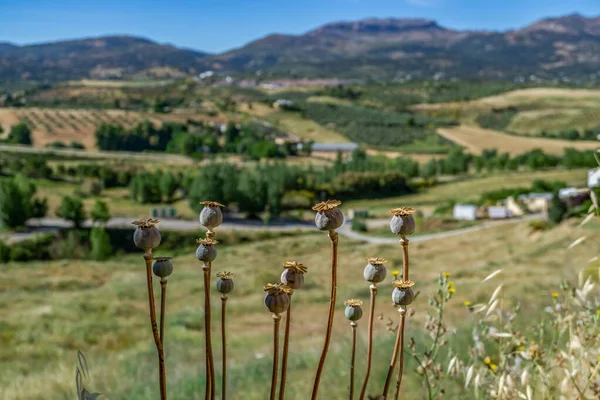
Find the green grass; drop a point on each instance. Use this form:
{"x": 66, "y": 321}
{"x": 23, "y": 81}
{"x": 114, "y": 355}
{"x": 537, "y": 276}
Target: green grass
{"x": 54, "y": 308}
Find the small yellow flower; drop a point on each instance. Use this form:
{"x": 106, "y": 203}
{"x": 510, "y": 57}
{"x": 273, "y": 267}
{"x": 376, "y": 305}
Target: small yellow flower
{"x": 446, "y": 274}
{"x": 554, "y": 295}
{"x": 467, "y": 303}
{"x": 395, "y": 272}
{"x": 451, "y": 290}
{"x": 598, "y": 358}
{"x": 521, "y": 348}
{"x": 493, "y": 367}
{"x": 597, "y": 312}
{"x": 450, "y": 284}
{"x": 487, "y": 360}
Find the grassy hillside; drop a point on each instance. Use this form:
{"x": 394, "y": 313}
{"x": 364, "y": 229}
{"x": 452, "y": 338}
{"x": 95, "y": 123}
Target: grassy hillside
{"x": 100, "y": 308}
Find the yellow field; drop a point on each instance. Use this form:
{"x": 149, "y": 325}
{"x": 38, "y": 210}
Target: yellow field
{"x": 475, "y": 140}
{"x": 66, "y": 125}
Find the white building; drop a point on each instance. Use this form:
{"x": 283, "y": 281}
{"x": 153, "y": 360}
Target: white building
{"x": 593, "y": 178}
{"x": 498, "y": 212}
{"x": 465, "y": 212}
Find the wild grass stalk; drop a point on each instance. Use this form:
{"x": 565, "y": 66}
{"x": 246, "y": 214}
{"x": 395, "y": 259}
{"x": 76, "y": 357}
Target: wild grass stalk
{"x": 328, "y": 218}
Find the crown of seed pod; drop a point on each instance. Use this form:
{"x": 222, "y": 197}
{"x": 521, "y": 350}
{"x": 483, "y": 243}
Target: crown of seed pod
{"x": 403, "y": 221}
{"x": 293, "y": 274}
{"x": 277, "y": 299}
{"x": 375, "y": 271}
{"x": 225, "y": 282}
{"x": 146, "y": 235}
{"x": 329, "y": 217}
{"x": 162, "y": 267}
{"x": 206, "y": 251}
{"x": 353, "y": 310}
{"x": 403, "y": 294}
{"x": 211, "y": 215}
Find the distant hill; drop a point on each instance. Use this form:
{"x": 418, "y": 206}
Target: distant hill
{"x": 370, "y": 48}
{"x": 111, "y": 56}
{"x": 388, "y": 48}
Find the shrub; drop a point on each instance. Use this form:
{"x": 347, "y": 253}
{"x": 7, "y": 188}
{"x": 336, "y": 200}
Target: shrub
{"x": 71, "y": 209}
{"x": 358, "y": 225}
{"x": 101, "y": 248}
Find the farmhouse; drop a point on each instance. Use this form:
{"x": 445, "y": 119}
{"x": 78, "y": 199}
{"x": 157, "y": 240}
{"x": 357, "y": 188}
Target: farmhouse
{"x": 466, "y": 212}
{"x": 333, "y": 147}
{"x": 593, "y": 178}
{"x": 498, "y": 212}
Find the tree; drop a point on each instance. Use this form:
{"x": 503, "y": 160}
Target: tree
{"x": 71, "y": 209}
{"x": 208, "y": 185}
{"x": 168, "y": 185}
{"x": 18, "y": 202}
{"x": 100, "y": 240}
{"x": 252, "y": 195}
{"x": 557, "y": 209}
{"x": 12, "y": 213}
{"x": 100, "y": 212}
{"x": 20, "y": 134}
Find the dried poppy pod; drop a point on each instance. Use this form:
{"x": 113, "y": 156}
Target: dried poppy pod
{"x": 353, "y": 310}
{"x": 225, "y": 282}
{"x": 375, "y": 271}
{"x": 146, "y": 235}
{"x": 403, "y": 221}
{"x": 277, "y": 299}
{"x": 403, "y": 294}
{"x": 211, "y": 215}
{"x": 206, "y": 251}
{"x": 329, "y": 217}
{"x": 162, "y": 267}
{"x": 293, "y": 275}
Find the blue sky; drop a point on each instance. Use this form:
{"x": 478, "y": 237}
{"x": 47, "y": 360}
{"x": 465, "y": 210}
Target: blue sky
{"x": 218, "y": 25}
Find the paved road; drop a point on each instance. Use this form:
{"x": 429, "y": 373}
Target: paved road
{"x": 43, "y": 225}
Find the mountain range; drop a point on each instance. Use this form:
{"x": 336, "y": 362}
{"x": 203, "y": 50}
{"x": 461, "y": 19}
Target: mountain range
{"x": 370, "y": 48}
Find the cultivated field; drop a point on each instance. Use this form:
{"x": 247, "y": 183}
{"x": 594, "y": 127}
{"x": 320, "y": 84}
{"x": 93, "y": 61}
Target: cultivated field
{"x": 475, "y": 140}
{"x": 55, "y": 308}
{"x": 66, "y": 125}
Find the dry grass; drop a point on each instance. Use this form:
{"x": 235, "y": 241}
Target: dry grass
{"x": 467, "y": 190}
{"x": 554, "y": 120}
{"x": 55, "y": 308}
{"x": 475, "y": 140}
{"x": 543, "y": 97}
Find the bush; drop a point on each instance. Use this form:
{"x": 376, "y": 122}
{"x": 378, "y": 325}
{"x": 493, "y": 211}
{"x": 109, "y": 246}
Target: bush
{"x": 71, "y": 209}
{"x": 100, "y": 212}
{"x": 101, "y": 248}
{"x": 358, "y": 225}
